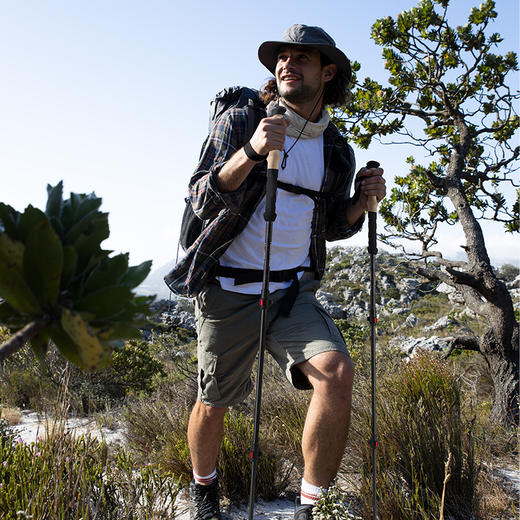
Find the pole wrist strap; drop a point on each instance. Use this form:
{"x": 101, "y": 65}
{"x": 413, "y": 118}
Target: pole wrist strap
{"x": 251, "y": 154}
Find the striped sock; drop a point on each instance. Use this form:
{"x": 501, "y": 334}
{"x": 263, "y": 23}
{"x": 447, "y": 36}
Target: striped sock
{"x": 310, "y": 494}
{"x": 207, "y": 480}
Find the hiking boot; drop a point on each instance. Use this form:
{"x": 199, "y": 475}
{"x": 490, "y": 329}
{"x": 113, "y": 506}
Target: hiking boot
{"x": 204, "y": 501}
{"x": 302, "y": 511}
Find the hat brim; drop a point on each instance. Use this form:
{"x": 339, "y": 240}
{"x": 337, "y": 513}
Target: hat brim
{"x": 268, "y": 55}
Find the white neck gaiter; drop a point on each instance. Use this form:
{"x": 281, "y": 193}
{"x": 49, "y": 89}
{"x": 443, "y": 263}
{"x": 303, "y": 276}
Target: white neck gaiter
{"x": 298, "y": 123}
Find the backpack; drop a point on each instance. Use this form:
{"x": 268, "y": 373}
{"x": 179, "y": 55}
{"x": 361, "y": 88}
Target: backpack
{"x": 231, "y": 97}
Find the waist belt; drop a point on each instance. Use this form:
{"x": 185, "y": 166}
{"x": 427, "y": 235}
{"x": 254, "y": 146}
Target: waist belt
{"x": 242, "y": 276}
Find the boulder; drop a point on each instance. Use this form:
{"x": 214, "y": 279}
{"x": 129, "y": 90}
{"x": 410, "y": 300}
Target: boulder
{"x": 442, "y": 323}
{"x": 411, "y": 346}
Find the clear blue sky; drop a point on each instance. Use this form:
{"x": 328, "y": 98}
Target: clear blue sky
{"x": 112, "y": 97}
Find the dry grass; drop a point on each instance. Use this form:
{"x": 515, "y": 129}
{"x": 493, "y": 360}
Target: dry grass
{"x": 13, "y": 416}
{"x": 495, "y": 501}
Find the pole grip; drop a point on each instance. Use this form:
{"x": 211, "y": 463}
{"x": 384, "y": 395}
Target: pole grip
{"x": 372, "y": 201}
{"x": 270, "y": 194}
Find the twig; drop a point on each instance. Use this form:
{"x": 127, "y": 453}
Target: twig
{"x": 447, "y": 476}
{"x": 20, "y": 338}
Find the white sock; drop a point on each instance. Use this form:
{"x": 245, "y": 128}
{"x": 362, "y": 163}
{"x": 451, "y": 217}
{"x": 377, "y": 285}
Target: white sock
{"x": 310, "y": 494}
{"x": 205, "y": 480}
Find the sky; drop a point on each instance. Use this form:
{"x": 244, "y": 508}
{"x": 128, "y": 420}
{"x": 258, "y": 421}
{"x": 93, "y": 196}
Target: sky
{"x": 112, "y": 96}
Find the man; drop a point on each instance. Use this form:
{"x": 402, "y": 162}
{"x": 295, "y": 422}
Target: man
{"x": 228, "y": 191}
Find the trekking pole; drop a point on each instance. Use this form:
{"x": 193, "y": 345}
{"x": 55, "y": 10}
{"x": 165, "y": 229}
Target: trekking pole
{"x": 372, "y": 249}
{"x": 273, "y": 162}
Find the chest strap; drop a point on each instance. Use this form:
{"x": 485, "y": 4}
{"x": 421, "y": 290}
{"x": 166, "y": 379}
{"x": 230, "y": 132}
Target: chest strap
{"x": 299, "y": 190}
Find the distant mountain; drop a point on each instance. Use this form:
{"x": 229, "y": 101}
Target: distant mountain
{"x": 154, "y": 283}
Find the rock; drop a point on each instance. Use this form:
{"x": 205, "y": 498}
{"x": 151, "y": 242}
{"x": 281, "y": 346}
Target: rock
{"x": 178, "y": 318}
{"x": 327, "y": 301}
{"x": 411, "y": 345}
{"x": 453, "y": 295}
{"x": 409, "y": 288}
{"x": 515, "y": 284}
{"x": 411, "y": 321}
{"x": 175, "y": 313}
{"x": 442, "y": 323}
{"x": 466, "y": 313}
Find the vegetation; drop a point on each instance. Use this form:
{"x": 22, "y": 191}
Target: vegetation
{"x": 68, "y": 478}
{"x": 450, "y": 94}
{"x": 427, "y": 408}
{"x": 57, "y": 283}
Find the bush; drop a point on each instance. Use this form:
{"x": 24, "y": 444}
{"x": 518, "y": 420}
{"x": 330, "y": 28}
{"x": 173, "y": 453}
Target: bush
{"x": 419, "y": 425}
{"x": 31, "y": 383}
{"x": 508, "y": 272}
{"x": 63, "y": 477}
{"x": 156, "y": 431}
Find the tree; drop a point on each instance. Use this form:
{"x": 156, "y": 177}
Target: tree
{"x": 57, "y": 283}
{"x": 448, "y": 94}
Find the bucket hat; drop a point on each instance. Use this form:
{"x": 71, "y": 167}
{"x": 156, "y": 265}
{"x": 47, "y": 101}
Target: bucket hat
{"x": 299, "y": 34}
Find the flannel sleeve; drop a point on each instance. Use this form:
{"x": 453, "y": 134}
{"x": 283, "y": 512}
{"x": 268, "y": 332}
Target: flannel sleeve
{"x": 225, "y": 139}
{"x": 337, "y": 226}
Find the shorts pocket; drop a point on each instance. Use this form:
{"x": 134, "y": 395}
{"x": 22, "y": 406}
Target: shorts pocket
{"x": 208, "y": 386}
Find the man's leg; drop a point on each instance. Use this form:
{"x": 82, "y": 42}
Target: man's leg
{"x": 324, "y": 437}
{"x": 205, "y": 432}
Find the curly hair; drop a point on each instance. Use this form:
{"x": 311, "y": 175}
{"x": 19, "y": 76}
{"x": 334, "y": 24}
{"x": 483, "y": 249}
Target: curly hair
{"x": 336, "y": 94}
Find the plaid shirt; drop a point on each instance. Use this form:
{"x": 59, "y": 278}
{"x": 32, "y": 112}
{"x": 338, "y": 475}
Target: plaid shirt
{"x": 225, "y": 215}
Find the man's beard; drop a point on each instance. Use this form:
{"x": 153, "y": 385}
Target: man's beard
{"x": 302, "y": 94}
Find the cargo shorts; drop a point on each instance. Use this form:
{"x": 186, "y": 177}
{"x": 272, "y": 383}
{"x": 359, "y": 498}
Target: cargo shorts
{"x": 228, "y": 328}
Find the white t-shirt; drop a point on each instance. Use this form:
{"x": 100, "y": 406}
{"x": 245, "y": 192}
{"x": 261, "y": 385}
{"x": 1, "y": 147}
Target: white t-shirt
{"x": 292, "y": 228}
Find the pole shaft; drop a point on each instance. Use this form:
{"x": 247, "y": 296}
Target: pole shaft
{"x": 264, "y": 303}
{"x": 372, "y": 247}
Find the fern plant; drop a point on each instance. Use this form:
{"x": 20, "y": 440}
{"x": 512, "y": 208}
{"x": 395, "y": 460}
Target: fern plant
{"x": 57, "y": 283}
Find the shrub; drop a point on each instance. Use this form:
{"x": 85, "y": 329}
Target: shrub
{"x": 156, "y": 431}
{"x": 508, "y": 272}
{"x": 331, "y": 505}
{"x": 419, "y": 425}
{"x": 63, "y": 477}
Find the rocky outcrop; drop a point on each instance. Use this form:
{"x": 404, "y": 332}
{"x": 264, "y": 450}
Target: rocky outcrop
{"x": 174, "y": 313}
{"x": 411, "y": 346}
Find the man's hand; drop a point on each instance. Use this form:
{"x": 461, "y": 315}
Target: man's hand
{"x": 369, "y": 182}
{"x": 269, "y": 135}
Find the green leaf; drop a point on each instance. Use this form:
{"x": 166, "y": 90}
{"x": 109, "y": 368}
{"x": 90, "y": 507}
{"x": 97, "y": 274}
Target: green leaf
{"x": 136, "y": 274}
{"x": 78, "y": 215}
{"x": 70, "y": 262}
{"x": 108, "y": 272}
{"x": 106, "y": 302}
{"x": 9, "y": 221}
{"x": 66, "y": 345}
{"x": 54, "y": 200}
{"x": 11, "y": 252}
{"x": 88, "y": 245}
{"x": 29, "y": 219}
{"x": 91, "y": 350}
{"x": 43, "y": 263}
{"x": 120, "y": 331}
{"x": 15, "y": 290}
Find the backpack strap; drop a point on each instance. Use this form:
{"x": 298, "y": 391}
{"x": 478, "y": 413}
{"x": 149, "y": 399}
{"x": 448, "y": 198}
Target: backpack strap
{"x": 299, "y": 190}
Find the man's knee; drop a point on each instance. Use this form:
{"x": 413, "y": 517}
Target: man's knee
{"x": 341, "y": 377}
{"x": 205, "y": 413}
{"x": 332, "y": 373}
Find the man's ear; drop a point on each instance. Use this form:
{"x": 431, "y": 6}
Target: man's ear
{"x": 329, "y": 71}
